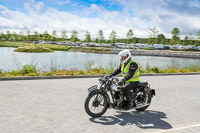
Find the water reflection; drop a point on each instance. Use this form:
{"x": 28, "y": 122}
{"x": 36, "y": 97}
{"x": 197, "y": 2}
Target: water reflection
{"x": 64, "y": 60}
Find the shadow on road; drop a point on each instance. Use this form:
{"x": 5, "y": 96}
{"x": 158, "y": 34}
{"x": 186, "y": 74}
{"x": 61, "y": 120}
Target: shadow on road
{"x": 146, "y": 119}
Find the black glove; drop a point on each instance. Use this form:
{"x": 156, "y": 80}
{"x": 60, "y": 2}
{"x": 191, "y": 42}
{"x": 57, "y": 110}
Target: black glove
{"x": 121, "y": 82}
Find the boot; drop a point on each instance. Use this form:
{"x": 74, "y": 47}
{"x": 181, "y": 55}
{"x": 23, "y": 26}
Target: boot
{"x": 128, "y": 99}
{"x": 129, "y": 105}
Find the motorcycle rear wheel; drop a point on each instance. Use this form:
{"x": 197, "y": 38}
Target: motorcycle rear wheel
{"x": 146, "y": 100}
{"x": 96, "y": 104}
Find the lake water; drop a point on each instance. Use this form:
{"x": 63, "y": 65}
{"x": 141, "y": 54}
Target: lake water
{"x": 65, "y": 60}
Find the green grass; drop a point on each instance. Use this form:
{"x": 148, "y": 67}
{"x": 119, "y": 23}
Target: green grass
{"x": 37, "y": 48}
{"x": 32, "y": 71}
{"x": 33, "y": 49}
{"x": 11, "y": 44}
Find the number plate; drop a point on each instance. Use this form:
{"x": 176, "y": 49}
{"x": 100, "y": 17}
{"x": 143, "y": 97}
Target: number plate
{"x": 92, "y": 88}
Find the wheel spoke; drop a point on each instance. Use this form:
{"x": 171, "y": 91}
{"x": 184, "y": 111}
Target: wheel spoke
{"x": 101, "y": 98}
{"x": 97, "y": 97}
{"x": 100, "y": 105}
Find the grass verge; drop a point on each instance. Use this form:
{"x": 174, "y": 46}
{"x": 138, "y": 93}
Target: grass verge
{"x": 32, "y": 71}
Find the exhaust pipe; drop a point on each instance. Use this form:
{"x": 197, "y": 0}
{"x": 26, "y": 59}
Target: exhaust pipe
{"x": 142, "y": 106}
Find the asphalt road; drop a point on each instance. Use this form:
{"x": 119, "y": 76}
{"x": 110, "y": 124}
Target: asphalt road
{"x": 57, "y": 106}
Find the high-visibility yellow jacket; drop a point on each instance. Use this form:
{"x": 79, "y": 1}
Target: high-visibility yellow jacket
{"x": 125, "y": 69}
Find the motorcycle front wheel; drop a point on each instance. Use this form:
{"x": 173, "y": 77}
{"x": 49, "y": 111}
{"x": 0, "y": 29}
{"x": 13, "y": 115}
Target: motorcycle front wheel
{"x": 96, "y": 104}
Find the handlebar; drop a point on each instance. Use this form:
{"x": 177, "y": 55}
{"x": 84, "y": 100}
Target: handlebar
{"x": 113, "y": 79}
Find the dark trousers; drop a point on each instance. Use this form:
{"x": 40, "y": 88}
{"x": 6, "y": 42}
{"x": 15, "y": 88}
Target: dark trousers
{"x": 127, "y": 87}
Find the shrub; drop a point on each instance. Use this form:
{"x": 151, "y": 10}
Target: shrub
{"x": 28, "y": 70}
{"x": 15, "y": 73}
{"x": 171, "y": 70}
{"x": 194, "y": 68}
{"x": 142, "y": 70}
{"x": 155, "y": 70}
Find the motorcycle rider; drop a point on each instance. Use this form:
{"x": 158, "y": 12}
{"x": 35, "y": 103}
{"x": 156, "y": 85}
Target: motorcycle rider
{"x": 130, "y": 73}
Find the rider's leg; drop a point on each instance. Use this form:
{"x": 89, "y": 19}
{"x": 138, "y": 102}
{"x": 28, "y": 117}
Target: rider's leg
{"x": 126, "y": 89}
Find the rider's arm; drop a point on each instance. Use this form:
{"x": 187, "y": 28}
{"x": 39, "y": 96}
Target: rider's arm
{"x": 133, "y": 67}
{"x": 117, "y": 71}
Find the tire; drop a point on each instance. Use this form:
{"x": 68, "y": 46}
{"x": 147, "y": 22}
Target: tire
{"x": 148, "y": 101}
{"x": 99, "y": 100}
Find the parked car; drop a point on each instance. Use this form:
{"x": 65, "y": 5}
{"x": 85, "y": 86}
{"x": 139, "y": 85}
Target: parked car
{"x": 119, "y": 45}
{"x": 84, "y": 44}
{"x": 190, "y": 47}
{"x": 105, "y": 45}
{"x": 198, "y": 48}
{"x": 139, "y": 45}
{"x": 167, "y": 47}
{"x": 158, "y": 46}
{"x": 177, "y": 46}
{"x": 93, "y": 44}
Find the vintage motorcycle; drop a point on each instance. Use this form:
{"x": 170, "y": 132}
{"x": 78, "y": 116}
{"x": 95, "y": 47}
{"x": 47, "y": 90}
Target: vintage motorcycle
{"x": 109, "y": 95}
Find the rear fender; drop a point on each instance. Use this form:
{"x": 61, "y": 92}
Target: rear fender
{"x": 148, "y": 90}
{"x": 153, "y": 92}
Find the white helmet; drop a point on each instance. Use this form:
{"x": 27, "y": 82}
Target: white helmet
{"x": 125, "y": 53}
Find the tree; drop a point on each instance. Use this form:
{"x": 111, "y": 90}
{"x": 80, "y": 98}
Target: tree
{"x": 36, "y": 36}
{"x": 74, "y": 36}
{"x": 53, "y": 36}
{"x": 21, "y": 36}
{"x": 153, "y": 32}
{"x": 13, "y": 37}
{"x": 2, "y": 36}
{"x": 175, "y": 38}
{"x": 100, "y": 36}
{"x": 198, "y": 34}
{"x": 63, "y": 35}
{"x": 161, "y": 39}
{"x": 150, "y": 40}
{"x": 191, "y": 39}
{"x": 152, "y": 35}
{"x": 46, "y": 36}
{"x": 28, "y": 36}
{"x": 198, "y": 37}
{"x": 96, "y": 40}
{"x": 113, "y": 36}
{"x": 186, "y": 41}
{"x": 8, "y": 35}
{"x": 141, "y": 40}
{"x": 87, "y": 37}
{"x": 175, "y": 32}
{"x": 129, "y": 36}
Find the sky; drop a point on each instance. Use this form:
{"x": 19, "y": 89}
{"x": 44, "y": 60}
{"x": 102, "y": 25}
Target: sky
{"x": 107, "y": 15}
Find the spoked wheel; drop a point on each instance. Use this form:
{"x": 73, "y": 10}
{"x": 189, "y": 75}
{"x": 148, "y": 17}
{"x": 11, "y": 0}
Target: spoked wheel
{"x": 143, "y": 100}
{"x": 96, "y": 104}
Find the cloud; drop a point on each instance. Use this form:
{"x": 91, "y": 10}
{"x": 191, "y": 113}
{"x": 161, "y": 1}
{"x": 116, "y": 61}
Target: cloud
{"x": 64, "y": 2}
{"x": 165, "y": 14}
{"x": 95, "y": 8}
{"x": 139, "y": 15}
{"x": 34, "y": 7}
{"x": 39, "y": 18}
